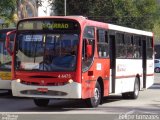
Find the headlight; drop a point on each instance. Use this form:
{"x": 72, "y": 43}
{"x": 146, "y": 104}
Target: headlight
{"x": 70, "y": 81}
{"x": 18, "y": 80}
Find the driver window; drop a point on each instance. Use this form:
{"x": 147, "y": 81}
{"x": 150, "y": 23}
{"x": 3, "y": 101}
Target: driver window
{"x": 88, "y": 48}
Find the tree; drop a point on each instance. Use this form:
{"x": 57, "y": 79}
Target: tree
{"x": 139, "y": 14}
{"x": 147, "y": 13}
{"x": 7, "y": 10}
{"x": 73, "y": 7}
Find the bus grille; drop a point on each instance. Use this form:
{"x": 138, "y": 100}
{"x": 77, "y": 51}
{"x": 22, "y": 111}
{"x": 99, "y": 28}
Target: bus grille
{"x": 48, "y": 93}
{"x": 46, "y": 84}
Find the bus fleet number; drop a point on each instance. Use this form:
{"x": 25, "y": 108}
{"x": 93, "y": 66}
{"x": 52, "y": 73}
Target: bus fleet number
{"x": 64, "y": 76}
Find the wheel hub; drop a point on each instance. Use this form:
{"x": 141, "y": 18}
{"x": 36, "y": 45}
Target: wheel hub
{"x": 96, "y": 95}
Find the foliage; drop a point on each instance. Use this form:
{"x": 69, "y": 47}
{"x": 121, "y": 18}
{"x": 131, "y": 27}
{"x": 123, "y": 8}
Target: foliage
{"x": 7, "y": 9}
{"x": 74, "y": 7}
{"x": 139, "y": 14}
{"x": 147, "y": 13}
{"x": 156, "y": 30}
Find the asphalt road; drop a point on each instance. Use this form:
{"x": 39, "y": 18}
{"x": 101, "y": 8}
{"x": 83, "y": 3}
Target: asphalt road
{"x": 114, "y": 107}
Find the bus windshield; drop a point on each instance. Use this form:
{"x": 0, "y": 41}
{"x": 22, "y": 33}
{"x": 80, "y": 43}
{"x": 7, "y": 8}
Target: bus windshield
{"x": 46, "y": 51}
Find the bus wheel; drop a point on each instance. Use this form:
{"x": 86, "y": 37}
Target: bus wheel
{"x": 10, "y": 92}
{"x": 125, "y": 95}
{"x": 95, "y": 101}
{"x": 41, "y": 102}
{"x": 134, "y": 94}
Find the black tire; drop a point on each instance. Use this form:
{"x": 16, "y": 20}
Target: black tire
{"x": 41, "y": 102}
{"x": 95, "y": 101}
{"x": 125, "y": 95}
{"x": 135, "y": 93}
{"x": 10, "y": 92}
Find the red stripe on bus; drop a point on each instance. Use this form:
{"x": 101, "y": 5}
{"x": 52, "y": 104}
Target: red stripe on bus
{"x": 130, "y": 76}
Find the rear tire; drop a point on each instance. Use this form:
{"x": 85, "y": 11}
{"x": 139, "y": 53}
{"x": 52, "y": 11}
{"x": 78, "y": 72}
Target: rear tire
{"x": 41, "y": 102}
{"x": 95, "y": 101}
{"x": 125, "y": 95}
{"x": 135, "y": 93}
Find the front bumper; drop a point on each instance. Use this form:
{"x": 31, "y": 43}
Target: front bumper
{"x": 67, "y": 91}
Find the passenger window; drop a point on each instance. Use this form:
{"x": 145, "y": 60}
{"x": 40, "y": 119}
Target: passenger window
{"x": 149, "y": 48}
{"x": 88, "y": 48}
{"x": 129, "y": 46}
{"x": 102, "y": 44}
{"x": 120, "y": 45}
{"x": 137, "y": 47}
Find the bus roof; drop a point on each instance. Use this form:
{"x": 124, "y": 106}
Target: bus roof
{"x": 82, "y": 19}
{"x": 129, "y": 30}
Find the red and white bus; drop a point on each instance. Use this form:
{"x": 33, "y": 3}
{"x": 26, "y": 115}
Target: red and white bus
{"x": 76, "y": 58}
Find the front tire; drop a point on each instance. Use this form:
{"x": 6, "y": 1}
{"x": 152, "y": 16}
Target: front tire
{"x": 10, "y": 92}
{"x": 41, "y": 102}
{"x": 95, "y": 101}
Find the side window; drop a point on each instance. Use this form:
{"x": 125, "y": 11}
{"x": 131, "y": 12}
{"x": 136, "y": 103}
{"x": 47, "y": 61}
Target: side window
{"x": 137, "y": 47}
{"x": 102, "y": 44}
{"x": 88, "y": 48}
{"x": 120, "y": 45}
{"x": 129, "y": 46}
{"x": 149, "y": 48}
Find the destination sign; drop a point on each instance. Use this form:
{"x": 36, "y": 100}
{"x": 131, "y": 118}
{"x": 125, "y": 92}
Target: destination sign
{"x": 48, "y": 25}
{"x": 56, "y": 26}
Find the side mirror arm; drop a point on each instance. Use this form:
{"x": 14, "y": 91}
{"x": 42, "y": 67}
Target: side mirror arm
{"x": 7, "y": 45}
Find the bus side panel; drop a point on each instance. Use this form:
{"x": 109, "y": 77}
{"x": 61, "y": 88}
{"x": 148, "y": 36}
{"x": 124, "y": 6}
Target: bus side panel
{"x": 126, "y": 71}
{"x": 99, "y": 69}
{"x": 150, "y": 73}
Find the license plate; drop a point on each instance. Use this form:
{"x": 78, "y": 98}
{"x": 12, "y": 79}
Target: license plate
{"x": 43, "y": 90}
